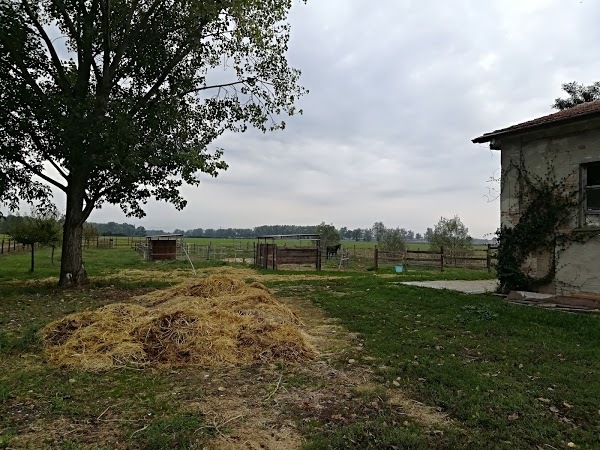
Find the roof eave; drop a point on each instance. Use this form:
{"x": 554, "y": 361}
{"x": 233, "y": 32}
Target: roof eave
{"x": 488, "y": 137}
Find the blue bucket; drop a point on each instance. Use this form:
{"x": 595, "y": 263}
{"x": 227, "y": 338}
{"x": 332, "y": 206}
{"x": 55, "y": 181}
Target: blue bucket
{"x": 399, "y": 269}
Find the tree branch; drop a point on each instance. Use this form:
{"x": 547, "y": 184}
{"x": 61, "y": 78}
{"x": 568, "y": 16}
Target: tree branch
{"x": 40, "y": 146}
{"x": 61, "y": 79}
{"x": 84, "y": 55}
{"x": 124, "y": 44}
{"x": 193, "y": 41}
{"x": 56, "y": 166}
{"x": 89, "y": 206}
{"x": 105, "y": 84}
{"x": 42, "y": 176}
{"x": 214, "y": 86}
{"x": 26, "y": 75}
{"x": 94, "y": 6}
{"x": 130, "y": 35}
{"x": 161, "y": 79}
{"x": 61, "y": 7}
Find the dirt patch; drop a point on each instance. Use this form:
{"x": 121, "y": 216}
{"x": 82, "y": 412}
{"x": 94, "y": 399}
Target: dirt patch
{"x": 49, "y": 434}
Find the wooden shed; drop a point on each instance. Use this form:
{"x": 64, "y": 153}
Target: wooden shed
{"x": 163, "y": 247}
{"x": 270, "y": 255}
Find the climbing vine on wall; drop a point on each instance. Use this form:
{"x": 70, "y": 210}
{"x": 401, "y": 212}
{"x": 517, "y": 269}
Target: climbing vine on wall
{"x": 548, "y": 205}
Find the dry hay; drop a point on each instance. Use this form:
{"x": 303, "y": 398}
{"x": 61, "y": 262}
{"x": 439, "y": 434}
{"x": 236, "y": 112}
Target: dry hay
{"x": 217, "y": 320}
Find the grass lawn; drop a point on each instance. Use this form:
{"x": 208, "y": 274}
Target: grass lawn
{"x": 502, "y": 375}
{"x": 243, "y": 242}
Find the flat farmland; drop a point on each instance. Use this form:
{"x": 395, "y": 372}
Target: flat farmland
{"x": 243, "y": 242}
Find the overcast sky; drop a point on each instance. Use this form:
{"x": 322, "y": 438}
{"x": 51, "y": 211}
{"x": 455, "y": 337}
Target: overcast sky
{"x": 398, "y": 89}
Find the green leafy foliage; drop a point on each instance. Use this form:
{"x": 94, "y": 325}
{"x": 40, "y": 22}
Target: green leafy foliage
{"x": 90, "y": 233}
{"x": 578, "y": 94}
{"x": 393, "y": 240}
{"x": 329, "y": 235}
{"x": 548, "y": 206}
{"x": 42, "y": 228}
{"x": 128, "y": 113}
{"x": 378, "y": 230}
{"x": 451, "y": 234}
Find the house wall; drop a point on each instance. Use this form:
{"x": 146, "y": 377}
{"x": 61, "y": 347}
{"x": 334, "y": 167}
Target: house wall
{"x": 564, "y": 149}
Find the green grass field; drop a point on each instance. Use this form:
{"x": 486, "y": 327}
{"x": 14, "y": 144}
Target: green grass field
{"x": 504, "y": 375}
{"x": 248, "y": 242}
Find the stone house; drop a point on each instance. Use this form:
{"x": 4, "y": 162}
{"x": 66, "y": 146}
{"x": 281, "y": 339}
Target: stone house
{"x": 565, "y": 146}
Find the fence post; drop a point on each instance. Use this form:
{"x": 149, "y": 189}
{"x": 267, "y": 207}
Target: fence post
{"x": 319, "y": 258}
{"x": 489, "y": 258}
{"x": 376, "y": 258}
{"x": 442, "y": 258}
{"x": 2, "y": 247}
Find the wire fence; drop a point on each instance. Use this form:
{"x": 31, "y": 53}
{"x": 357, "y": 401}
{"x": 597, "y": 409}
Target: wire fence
{"x": 482, "y": 259}
{"x": 354, "y": 256}
{"x": 8, "y": 246}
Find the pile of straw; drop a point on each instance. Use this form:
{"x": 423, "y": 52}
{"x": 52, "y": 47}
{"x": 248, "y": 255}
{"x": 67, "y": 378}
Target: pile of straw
{"x": 214, "y": 321}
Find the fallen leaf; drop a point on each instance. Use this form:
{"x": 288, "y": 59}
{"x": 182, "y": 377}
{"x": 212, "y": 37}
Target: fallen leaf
{"x": 513, "y": 417}
{"x": 544, "y": 400}
{"x": 554, "y": 409}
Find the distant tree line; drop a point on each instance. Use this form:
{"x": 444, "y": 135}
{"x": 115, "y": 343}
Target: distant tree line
{"x": 378, "y": 232}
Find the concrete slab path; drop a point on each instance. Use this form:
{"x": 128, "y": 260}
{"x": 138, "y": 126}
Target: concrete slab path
{"x": 466, "y": 286}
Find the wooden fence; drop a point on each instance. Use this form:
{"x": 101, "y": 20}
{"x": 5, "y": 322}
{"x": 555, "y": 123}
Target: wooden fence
{"x": 270, "y": 256}
{"x": 11, "y": 246}
{"x": 116, "y": 241}
{"x": 475, "y": 259}
{"x": 482, "y": 259}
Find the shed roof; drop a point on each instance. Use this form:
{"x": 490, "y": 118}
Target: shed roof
{"x": 163, "y": 237}
{"x": 582, "y": 111}
{"x": 308, "y": 236}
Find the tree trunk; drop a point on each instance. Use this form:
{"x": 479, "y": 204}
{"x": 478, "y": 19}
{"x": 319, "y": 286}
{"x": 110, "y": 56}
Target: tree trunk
{"x": 32, "y": 251}
{"x": 72, "y": 272}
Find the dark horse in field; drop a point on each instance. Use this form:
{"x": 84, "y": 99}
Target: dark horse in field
{"x": 332, "y": 250}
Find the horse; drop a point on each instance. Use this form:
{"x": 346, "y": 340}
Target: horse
{"x": 332, "y": 250}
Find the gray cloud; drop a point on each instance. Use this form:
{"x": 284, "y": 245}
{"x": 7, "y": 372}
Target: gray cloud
{"x": 397, "y": 91}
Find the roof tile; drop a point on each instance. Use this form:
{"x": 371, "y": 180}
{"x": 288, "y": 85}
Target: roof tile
{"x": 579, "y": 111}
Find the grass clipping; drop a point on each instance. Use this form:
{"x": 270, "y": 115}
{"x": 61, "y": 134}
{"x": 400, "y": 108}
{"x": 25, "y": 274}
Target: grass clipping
{"x": 210, "y": 322}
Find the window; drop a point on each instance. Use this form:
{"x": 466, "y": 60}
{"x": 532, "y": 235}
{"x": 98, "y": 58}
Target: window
{"x": 591, "y": 194}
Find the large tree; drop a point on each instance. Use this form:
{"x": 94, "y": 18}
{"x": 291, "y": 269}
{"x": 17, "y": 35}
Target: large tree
{"x": 378, "y": 231}
{"x": 451, "y": 234}
{"x": 578, "y": 94}
{"x": 394, "y": 240}
{"x": 329, "y": 235}
{"x": 116, "y": 101}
